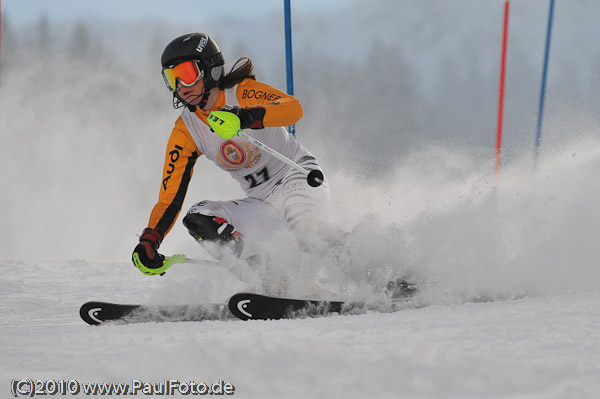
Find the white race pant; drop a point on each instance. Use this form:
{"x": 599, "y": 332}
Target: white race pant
{"x": 291, "y": 204}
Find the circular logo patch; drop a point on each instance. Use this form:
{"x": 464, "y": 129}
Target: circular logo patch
{"x": 233, "y": 153}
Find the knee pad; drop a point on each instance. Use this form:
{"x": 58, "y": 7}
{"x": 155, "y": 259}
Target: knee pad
{"x": 211, "y": 228}
{"x": 215, "y": 229}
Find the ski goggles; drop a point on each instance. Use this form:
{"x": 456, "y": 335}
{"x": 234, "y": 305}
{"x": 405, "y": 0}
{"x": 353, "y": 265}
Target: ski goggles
{"x": 187, "y": 73}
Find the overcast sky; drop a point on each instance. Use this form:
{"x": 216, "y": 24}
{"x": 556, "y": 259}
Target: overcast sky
{"x": 185, "y": 11}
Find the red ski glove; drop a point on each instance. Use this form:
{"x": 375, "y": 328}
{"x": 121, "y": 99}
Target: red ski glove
{"x": 147, "y": 249}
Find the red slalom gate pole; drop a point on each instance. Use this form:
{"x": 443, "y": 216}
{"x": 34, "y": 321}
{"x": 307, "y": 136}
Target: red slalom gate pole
{"x": 501, "y": 95}
{"x": 0, "y": 41}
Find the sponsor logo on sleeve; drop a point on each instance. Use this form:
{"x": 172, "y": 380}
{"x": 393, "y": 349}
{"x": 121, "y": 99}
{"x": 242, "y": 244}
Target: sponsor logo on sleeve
{"x": 259, "y": 95}
{"x": 173, "y": 158}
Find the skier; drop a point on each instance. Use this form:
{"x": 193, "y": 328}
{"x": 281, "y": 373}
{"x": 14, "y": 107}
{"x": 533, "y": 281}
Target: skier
{"x": 276, "y": 194}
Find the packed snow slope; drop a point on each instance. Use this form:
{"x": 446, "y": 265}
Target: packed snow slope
{"x": 511, "y": 307}
{"x": 538, "y": 347}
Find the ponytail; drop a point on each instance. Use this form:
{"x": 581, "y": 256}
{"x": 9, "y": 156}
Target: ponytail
{"x": 242, "y": 69}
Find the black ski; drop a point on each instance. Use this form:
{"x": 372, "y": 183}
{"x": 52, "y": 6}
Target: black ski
{"x": 244, "y": 306}
{"x": 96, "y": 313}
{"x": 248, "y": 306}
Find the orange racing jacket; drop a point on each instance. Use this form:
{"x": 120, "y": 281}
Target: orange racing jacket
{"x": 182, "y": 151}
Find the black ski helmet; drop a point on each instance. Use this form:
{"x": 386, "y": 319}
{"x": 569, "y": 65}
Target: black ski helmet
{"x": 198, "y": 47}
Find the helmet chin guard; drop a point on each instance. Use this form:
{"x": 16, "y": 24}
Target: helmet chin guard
{"x": 179, "y": 102}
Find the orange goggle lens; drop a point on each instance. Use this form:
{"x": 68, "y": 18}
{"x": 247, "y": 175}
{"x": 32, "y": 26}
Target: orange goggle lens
{"x": 187, "y": 73}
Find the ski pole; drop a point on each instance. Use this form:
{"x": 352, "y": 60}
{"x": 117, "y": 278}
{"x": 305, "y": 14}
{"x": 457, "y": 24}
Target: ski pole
{"x": 314, "y": 177}
{"x": 227, "y": 125}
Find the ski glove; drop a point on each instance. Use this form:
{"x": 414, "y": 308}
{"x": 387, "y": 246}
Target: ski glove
{"x": 230, "y": 119}
{"x": 146, "y": 251}
{"x": 250, "y": 117}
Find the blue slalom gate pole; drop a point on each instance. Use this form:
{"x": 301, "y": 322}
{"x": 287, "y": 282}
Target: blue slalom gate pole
{"x": 288, "y": 54}
{"x": 538, "y": 137}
